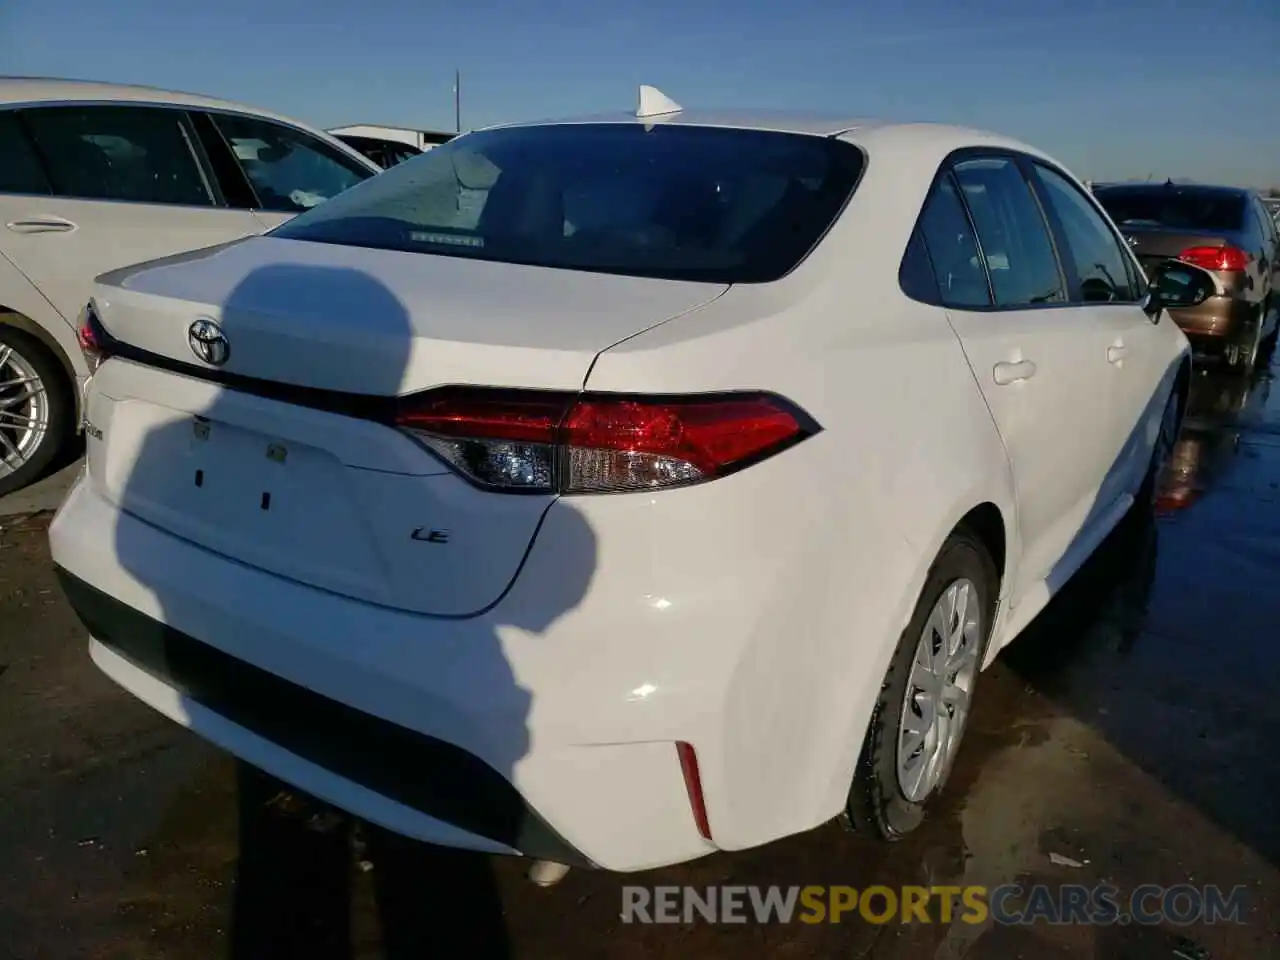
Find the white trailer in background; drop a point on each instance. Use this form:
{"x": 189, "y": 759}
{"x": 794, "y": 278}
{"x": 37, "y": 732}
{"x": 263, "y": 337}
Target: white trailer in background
{"x": 388, "y": 146}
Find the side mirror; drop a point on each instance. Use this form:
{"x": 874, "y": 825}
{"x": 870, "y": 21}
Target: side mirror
{"x": 1174, "y": 285}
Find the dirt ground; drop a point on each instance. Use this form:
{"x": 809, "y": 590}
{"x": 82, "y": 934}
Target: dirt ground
{"x": 1131, "y": 731}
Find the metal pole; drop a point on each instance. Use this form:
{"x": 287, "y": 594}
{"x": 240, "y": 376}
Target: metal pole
{"x": 457, "y": 101}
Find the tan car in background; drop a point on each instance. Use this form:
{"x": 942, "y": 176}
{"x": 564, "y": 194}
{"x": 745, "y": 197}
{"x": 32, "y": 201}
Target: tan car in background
{"x": 1225, "y": 230}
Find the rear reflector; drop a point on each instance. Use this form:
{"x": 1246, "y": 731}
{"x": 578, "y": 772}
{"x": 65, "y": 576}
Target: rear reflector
{"x": 693, "y": 784}
{"x": 528, "y": 441}
{"x": 1216, "y": 258}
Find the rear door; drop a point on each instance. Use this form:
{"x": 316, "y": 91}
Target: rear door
{"x": 1040, "y": 362}
{"x": 1101, "y": 284}
{"x": 115, "y": 185}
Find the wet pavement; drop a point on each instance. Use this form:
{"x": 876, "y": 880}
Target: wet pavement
{"x": 1130, "y": 733}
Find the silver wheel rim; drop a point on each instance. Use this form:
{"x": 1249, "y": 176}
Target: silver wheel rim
{"x": 939, "y": 690}
{"x": 24, "y": 411}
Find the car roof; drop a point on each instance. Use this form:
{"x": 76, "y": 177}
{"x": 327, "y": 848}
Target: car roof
{"x": 789, "y": 121}
{"x": 1146, "y": 186}
{"x": 54, "y": 90}
{"x": 33, "y": 90}
{"x": 861, "y": 129}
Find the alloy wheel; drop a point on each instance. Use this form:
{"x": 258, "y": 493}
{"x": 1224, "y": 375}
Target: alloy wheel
{"x": 939, "y": 690}
{"x": 24, "y": 410}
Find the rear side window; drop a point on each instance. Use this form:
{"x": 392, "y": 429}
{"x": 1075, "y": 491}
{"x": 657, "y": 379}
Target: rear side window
{"x": 20, "y": 170}
{"x": 957, "y": 264}
{"x": 694, "y": 203}
{"x": 915, "y": 275}
{"x": 137, "y": 154}
{"x": 1173, "y": 207}
{"x": 290, "y": 170}
{"x": 1102, "y": 272}
{"x": 1011, "y": 230}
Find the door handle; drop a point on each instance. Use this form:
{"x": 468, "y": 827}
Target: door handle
{"x": 41, "y": 225}
{"x": 1117, "y": 352}
{"x": 1007, "y": 373}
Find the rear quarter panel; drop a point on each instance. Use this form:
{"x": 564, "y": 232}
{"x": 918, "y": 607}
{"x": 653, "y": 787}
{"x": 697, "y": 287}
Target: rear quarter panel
{"x": 854, "y": 516}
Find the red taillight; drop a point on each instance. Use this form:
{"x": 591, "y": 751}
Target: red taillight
{"x": 92, "y": 338}
{"x": 541, "y": 442}
{"x": 693, "y": 785}
{"x": 1215, "y": 258}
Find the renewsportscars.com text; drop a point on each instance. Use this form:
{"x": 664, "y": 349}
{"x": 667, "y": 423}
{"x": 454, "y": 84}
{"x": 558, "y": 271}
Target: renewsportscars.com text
{"x": 1149, "y": 904}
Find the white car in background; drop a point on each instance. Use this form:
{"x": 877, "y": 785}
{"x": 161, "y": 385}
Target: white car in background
{"x": 97, "y": 176}
{"x": 667, "y": 497}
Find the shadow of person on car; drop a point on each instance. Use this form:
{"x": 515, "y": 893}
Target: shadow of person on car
{"x": 244, "y": 523}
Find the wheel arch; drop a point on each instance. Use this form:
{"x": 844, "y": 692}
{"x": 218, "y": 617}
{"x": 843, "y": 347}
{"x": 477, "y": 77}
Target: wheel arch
{"x": 24, "y": 308}
{"x": 20, "y": 321}
{"x": 976, "y": 491}
{"x": 986, "y": 522}
{"x": 990, "y": 516}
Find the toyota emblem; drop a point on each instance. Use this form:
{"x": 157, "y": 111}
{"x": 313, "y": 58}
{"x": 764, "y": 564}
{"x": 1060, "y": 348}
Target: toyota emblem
{"x": 208, "y": 342}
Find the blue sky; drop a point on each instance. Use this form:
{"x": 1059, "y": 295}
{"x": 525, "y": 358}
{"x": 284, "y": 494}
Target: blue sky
{"x": 1113, "y": 88}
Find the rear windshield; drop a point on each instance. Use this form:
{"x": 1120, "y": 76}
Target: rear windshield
{"x": 1172, "y": 207}
{"x": 685, "y": 203}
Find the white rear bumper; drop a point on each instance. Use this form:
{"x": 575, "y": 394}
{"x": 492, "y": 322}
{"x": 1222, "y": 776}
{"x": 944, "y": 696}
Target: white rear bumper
{"x": 418, "y": 724}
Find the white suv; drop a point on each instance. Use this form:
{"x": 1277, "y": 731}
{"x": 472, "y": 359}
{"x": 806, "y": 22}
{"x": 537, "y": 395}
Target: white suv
{"x": 95, "y": 177}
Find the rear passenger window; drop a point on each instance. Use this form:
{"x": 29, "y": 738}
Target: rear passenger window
{"x": 1101, "y": 265}
{"x": 915, "y": 275}
{"x": 952, "y": 250}
{"x": 1015, "y": 240}
{"x": 136, "y": 154}
{"x": 289, "y": 170}
{"x": 19, "y": 168}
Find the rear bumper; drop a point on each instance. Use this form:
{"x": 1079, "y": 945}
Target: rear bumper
{"x": 425, "y": 726}
{"x": 1219, "y": 320}
{"x": 419, "y": 773}
{"x": 546, "y": 725}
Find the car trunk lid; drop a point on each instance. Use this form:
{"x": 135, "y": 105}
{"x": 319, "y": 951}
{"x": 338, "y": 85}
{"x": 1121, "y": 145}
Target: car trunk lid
{"x": 1153, "y": 244}
{"x": 280, "y": 457}
{"x": 384, "y": 322}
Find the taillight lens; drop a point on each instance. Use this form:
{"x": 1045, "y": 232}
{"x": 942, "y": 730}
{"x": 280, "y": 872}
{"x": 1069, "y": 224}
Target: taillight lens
{"x": 93, "y": 339}
{"x": 1215, "y": 258}
{"x": 544, "y": 442}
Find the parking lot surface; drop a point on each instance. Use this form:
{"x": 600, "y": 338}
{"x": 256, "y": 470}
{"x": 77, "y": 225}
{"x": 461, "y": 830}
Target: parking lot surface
{"x": 1127, "y": 738}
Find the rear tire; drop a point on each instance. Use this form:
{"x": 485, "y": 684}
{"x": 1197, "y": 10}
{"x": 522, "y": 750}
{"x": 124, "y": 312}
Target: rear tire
{"x": 1243, "y": 357}
{"x": 886, "y": 800}
{"x": 36, "y": 410}
{"x": 1166, "y": 441}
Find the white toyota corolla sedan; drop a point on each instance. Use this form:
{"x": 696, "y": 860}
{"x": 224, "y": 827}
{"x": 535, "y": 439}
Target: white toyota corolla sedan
{"x": 618, "y": 490}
